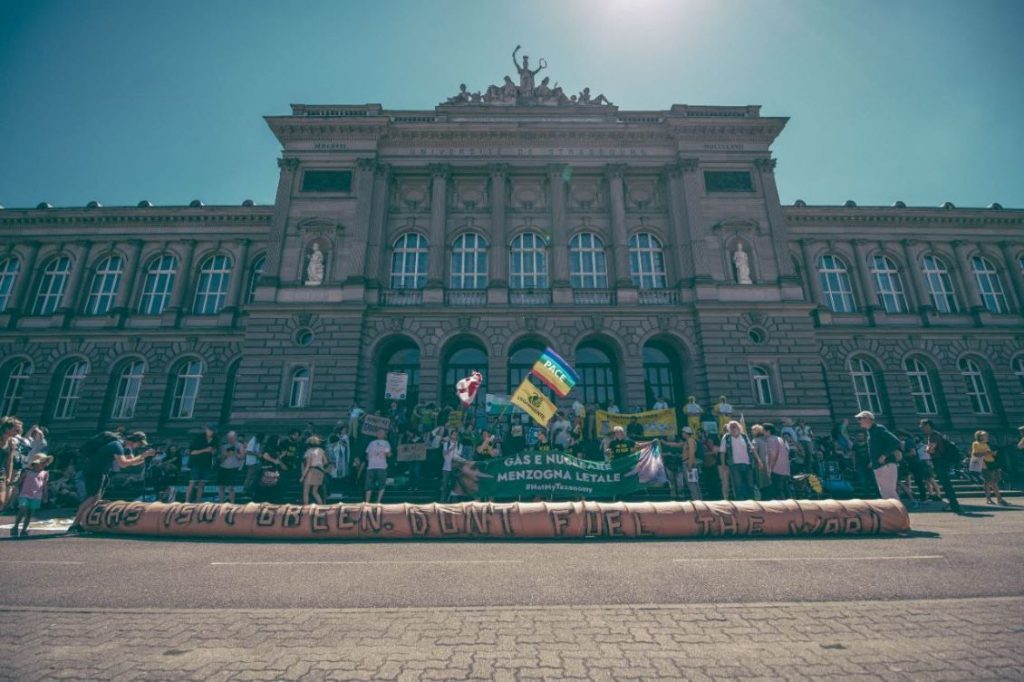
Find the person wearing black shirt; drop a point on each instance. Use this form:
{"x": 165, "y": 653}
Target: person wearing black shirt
{"x": 944, "y": 455}
{"x": 635, "y": 430}
{"x": 200, "y": 461}
{"x": 619, "y": 445}
{"x": 884, "y": 454}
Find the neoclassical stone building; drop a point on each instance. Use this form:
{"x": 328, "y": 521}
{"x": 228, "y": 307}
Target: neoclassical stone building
{"x": 649, "y": 247}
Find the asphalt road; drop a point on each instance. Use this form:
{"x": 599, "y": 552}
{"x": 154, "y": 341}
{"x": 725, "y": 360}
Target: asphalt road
{"x": 944, "y": 557}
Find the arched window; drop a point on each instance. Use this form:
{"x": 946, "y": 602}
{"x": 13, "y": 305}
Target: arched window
{"x": 19, "y": 372}
{"x": 762, "y": 385}
{"x": 8, "y": 274}
{"x": 258, "y": 266}
{"x": 126, "y": 391}
{"x": 940, "y": 285}
{"x": 835, "y": 284}
{"x": 298, "y": 393}
{"x": 598, "y": 376}
{"x": 156, "y": 290}
{"x": 974, "y": 382}
{"x": 528, "y": 262}
{"x": 69, "y": 389}
{"x": 646, "y": 262}
{"x": 185, "y": 389}
{"x": 460, "y": 362}
{"x": 1018, "y": 369}
{"x": 588, "y": 266}
{"x": 520, "y": 362}
{"x": 105, "y": 281}
{"x": 888, "y": 285}
{"x": 988, "y": 283}
{"x": 469, "y": 262}
{"x": 662, "y": 375}
{"x": 865, "y": 385}
{"x": 402, "y": 357}
{"x": 212, "y": 287}
{"x": 51, "y": 286}
{"x": 409, "y": 262}
{"x": 920, "y": 378}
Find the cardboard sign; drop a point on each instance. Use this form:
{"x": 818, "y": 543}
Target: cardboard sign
{"x": 455, "y": 419}
{"x": 412, "y": 452}
{"x": 372, "y": 424}
{"x": 396, "y": 386}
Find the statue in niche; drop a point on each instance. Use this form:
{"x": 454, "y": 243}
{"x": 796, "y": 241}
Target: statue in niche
{"x": 525, "y": 74}
{"x": 741, "y": 260}
{"x": 315, "y": 268}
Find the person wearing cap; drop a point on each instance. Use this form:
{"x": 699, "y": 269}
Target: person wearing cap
{"x": 619, "y": 445}
{"x": 884, "y": 454}
{"x": 944, "y": 455}
{"x": 33, "y": 491}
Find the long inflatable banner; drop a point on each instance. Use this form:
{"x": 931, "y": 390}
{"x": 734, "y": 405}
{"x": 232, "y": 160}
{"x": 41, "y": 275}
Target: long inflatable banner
{"x": 505, "y": 521}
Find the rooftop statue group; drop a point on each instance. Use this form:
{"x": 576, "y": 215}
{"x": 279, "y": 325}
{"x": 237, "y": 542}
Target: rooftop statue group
{"x": 526, "y": 92}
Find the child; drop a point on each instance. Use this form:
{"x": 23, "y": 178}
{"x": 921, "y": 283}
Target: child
{"x": 33, "y": 491}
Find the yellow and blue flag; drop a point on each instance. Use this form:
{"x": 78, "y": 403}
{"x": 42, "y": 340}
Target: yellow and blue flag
{"x": 555, "y": 373}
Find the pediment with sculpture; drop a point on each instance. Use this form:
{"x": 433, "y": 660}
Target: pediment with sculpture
{"x": 527, "y": 92}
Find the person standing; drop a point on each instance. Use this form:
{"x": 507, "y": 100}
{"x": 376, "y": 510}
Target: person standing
{"x": 944, "y": 455}
{"x": 740, "y": 456}
{"x": 634, "y": 430}
{"x": 777, "y": 453}
{"x": 314, "y": 465}
{"x": 883, "y": 454}
{"x": 34, "y": 480}
{"x": 10, "y": 429}
{"x": 253, "y": 457}
{"x": 377, "y": 453}
{"x": 618, "y": 446}
{"x": 991, "y": 467}
{"x": 229, "y": 461}
{"x": 200, "y": 461}
{"x": 691, "y": 467}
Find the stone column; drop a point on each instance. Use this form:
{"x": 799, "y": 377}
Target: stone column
{"x": 776, "y": 220}
{"x": 182, "y": 279}
{"x": 680, "y": 219}
{"x": 1014, "y": 271}
{"x": 239, "y": 275}
{"x": 132, "y": 265}
{"x": 962, "y": 266}
{"x": 74, "y": 295}
{"x": 438, "y": 219}
{"x": 355, "y": 263}
{"x": 378, "y": 225}
{"x": 918, "y": 288}
{"x": 811, "y": 268}
{"x": 499, "y": 230}
{"x": 279, "y": 220}
{"x": 620, "y": 237}
{"x": 561, "y": 292}
{"x": 22, "y": 285}
{"x": 860, "y": 252}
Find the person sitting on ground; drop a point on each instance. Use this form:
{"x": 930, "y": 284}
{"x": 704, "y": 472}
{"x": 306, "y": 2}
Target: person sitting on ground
{"x": 33, "y": 491}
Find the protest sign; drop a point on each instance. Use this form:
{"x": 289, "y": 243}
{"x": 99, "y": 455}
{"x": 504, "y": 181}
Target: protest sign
{"x": 396, "y": 386}
{"x": 541, "y": 473}
{"x": 372, "y": 424}
{"x": 455, "y": 418}
{"x": 498, "y": 404}
{"x": 412, "y": 452}
{"x": 656, "y": 423}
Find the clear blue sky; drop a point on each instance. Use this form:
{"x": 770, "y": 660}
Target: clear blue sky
{"x": 126, "y": 100}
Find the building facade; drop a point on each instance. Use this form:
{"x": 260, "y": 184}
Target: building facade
{"x": 649, "y": 248}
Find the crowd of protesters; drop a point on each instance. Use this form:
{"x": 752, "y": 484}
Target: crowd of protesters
{"x": 350, "y": 461}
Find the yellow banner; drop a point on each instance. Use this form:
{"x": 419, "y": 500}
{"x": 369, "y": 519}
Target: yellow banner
{"x": 656, "y": 423}
{"x": 534, "y": 403}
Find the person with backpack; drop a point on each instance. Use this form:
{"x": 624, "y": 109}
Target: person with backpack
{"x": 740, "y": 455}
{"x": 944, "y": 455}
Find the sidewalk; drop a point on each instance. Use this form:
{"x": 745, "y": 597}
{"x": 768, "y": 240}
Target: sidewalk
{"x": 963, "y": 639}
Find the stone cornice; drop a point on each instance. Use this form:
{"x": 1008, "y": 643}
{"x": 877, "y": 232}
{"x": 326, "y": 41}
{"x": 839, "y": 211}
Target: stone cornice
{"x": 259, "y": 215}
{"x": 839, "y": 215}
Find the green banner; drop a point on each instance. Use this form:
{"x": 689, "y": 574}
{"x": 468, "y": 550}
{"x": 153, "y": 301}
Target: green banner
{"x": 545, "y": 473}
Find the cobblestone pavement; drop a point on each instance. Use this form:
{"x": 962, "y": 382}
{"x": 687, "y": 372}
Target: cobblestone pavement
{"x": 959, "y": 639}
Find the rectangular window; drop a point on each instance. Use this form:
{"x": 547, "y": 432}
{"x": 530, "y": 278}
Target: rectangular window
{"x": 728, "y": 181}
{"x": 327, "y": 181}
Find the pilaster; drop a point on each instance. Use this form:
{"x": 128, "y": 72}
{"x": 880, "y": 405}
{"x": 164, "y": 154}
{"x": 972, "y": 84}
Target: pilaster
{"x": 438, "y": 218}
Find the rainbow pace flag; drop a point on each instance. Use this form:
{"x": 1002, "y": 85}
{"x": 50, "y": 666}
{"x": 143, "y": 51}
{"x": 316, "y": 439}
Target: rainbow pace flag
{"x": 555, "y": 373}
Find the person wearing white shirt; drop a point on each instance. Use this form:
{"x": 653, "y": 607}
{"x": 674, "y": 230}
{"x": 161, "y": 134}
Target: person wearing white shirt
{"x": 377, "y": 453}
{"x": 740, "y": 455}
